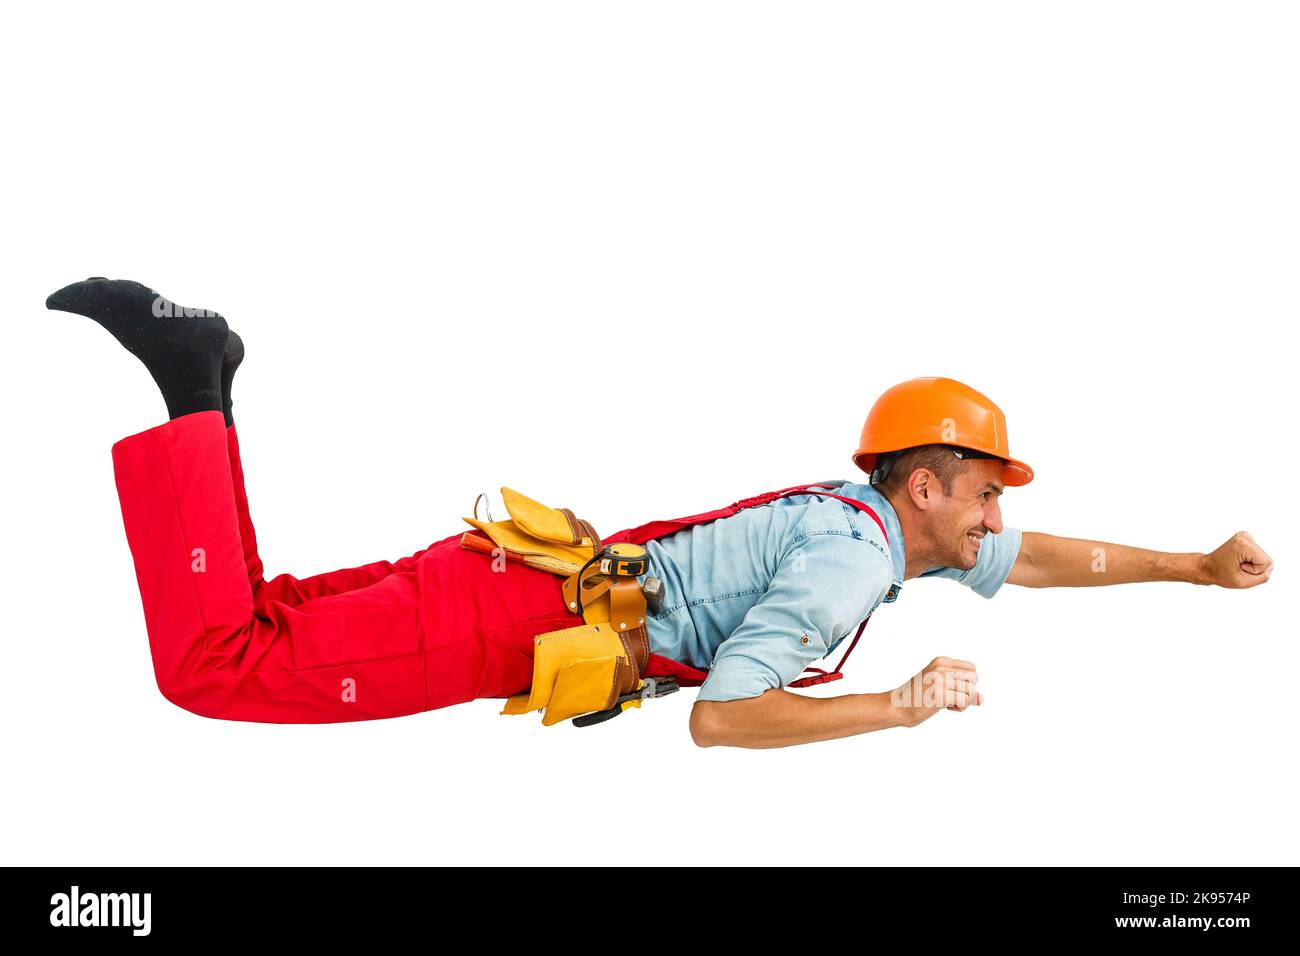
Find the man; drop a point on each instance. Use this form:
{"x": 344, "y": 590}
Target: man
{"x": 751, "y": 598}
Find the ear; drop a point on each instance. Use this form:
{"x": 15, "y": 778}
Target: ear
{"x": 918, "y": 487}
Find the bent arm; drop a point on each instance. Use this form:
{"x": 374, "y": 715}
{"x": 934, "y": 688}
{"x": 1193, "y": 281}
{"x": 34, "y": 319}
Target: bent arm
{"x": 778, "y": 718}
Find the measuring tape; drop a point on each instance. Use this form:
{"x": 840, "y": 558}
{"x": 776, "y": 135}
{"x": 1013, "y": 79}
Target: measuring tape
{"x": 623, "y": 559}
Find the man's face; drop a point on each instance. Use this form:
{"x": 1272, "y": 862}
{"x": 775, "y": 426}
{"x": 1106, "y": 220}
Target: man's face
{"x": 963, "y": 518}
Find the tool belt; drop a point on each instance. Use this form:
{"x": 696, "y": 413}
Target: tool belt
{"x": 596, "y": 670}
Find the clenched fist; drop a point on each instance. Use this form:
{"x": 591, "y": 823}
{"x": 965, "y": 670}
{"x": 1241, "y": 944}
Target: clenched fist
{"x": 944, "y": 684}
{"x": 1238, "y": 563}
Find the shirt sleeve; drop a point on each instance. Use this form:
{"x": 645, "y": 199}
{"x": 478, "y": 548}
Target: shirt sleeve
{"x": 998, "y": 552}
{"x": 821, "y": 591}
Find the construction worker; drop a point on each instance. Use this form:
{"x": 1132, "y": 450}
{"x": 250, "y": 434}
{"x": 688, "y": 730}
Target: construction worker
{"x": 752, "y": 595}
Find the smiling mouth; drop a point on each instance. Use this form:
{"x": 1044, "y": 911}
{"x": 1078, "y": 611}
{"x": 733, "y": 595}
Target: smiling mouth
{"x": 977, "y": 538}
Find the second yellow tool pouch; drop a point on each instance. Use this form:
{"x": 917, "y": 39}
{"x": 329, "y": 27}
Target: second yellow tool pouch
{"x": 578, "y": 670}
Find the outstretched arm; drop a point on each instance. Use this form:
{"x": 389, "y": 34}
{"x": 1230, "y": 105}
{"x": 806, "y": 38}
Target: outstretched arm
{"x": 1047, "y": 561}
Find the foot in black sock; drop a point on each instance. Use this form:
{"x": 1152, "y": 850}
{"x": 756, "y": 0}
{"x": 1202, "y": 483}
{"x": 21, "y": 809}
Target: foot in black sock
{"x": 229, "y": 365}
{"x": 182, "y": 348}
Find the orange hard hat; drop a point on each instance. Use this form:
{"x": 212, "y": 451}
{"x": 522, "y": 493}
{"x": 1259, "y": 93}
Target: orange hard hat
{"x": 938, "y": 411}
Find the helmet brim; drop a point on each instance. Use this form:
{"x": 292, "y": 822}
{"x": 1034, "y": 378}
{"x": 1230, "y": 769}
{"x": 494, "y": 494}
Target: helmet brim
{"x": 1014, "y": 472}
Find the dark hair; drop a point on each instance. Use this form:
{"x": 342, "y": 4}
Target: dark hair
{"x": 936, "y": 458}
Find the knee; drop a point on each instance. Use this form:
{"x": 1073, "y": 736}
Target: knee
{"x": 186, "y": 696}
{"x": 198, "y": 685}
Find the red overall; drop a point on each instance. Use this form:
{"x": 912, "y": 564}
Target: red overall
{"x": 386, "y": 639}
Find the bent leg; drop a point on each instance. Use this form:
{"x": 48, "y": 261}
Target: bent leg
{"x": 351, "y": 656}
{"x": 174, "y": 485}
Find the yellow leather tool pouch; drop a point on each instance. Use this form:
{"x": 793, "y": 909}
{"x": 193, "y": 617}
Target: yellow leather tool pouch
{"x": 581, "y": 669}
{"x": 559, "y": 525}
{"x": 553, "y": 538}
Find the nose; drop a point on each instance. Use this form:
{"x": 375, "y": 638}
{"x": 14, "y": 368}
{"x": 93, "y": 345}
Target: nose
{"x": 993, "y": 517}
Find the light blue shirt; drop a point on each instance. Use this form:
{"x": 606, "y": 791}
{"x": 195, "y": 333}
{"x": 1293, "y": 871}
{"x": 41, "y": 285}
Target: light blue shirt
{"x": 756, "y": 597}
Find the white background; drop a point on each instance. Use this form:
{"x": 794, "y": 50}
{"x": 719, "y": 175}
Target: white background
{"x": 756, "y": 217}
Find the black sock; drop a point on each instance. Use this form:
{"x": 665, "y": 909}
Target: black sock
{"x": 229, "y": 365}
{"x": 182, "y": 348}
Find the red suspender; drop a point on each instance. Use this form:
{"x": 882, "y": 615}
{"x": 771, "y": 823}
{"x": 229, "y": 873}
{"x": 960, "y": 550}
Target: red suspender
{"x": 820, "y": 676}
